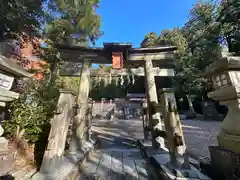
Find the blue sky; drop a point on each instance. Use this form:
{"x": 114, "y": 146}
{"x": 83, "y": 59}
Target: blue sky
{"x": 130, "y": 20}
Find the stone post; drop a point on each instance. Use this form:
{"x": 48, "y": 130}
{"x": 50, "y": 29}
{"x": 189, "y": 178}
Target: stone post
{"x": 102, "y": 104}
{"x": 3, "y": 140}
{"x": 167, "y": 95}
{"x": 175, "y": 164}
{"x": 79, "y": 123}
{"x": 59, "y": 129}
{"x": 154, "y": 119}
{"x": 7, "y": 157}
{"x": 145, "y": 120}
{"x": 89, "y": 120}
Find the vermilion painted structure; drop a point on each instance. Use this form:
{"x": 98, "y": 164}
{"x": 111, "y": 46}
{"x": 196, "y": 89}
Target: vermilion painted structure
{"x": 117, "y": 60}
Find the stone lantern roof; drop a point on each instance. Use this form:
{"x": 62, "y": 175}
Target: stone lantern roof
{"x": 9, "y": 69}
{"x": 224, "y": 64}
{"x": 9, "y": 66}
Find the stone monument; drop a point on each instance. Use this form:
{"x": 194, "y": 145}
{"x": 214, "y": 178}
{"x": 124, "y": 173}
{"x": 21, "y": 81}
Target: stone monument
{"x": 210, "y": 112}
{"x": 9, "y": 70}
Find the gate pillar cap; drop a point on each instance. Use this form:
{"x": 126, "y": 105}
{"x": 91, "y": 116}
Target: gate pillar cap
{"x": 164, "y": 90}
{"x": 67, "y": 91}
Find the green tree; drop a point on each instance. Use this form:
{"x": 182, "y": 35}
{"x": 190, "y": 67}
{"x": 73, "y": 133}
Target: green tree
{"x": 203, "y": 39}
{"x": 71, "y": 19}
{"x": 76, "y": 23}
{"x": 17, "y": 15}
{"x": 149, "y": 40}
{"x": 198, "y": 43}
{"x": 33, "y": 110}
{"x": 185, "y": 79}
{"x": 228, "y": 20}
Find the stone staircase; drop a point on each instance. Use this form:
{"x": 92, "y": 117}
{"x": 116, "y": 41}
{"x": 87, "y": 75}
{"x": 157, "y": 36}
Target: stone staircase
{"x": 19, "y": 173}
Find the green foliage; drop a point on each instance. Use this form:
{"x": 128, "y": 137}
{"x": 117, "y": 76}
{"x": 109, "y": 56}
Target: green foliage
{"x": 33, "y": 110}
{"x": 229, "y": 18}
{"x": 76, "y": 22}
{"x": 173, "y": 37}
{"x": 185, "y": 80}
{"x": 209, "y": 26}
{"x": 69, "y": 83}
{"x": 150, "y": 40}
{"x": 16, "y": 15}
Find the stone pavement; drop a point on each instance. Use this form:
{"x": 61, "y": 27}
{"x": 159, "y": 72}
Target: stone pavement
{"x": 198, "y": 134}
{"x": 114, "y": 164}
{"x": 17, "y": 173}
{"x": 117, "y": 157}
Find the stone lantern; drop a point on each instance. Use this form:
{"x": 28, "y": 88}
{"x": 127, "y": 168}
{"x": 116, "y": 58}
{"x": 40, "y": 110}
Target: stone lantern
{"x": 225, "y": 77}
{"x": 9, "y": 70}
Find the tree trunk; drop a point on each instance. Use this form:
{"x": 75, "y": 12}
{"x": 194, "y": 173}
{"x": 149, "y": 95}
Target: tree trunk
{"x": 54, "y": 71}
{"x": 190, "y": 105}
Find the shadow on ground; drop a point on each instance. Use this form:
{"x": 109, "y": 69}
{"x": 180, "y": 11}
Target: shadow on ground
{"x": 116, "y": 157}
{"x": 7, "y": 177}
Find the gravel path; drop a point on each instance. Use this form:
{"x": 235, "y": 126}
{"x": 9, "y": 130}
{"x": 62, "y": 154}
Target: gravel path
{"x": 198, "y": 134}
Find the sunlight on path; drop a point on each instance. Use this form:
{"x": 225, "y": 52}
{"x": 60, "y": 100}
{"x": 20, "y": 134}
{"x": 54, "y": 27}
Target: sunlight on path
{"x": 114, "y": 164}
{"x": 117, "y": 157}
{"x": 119, "y": 160}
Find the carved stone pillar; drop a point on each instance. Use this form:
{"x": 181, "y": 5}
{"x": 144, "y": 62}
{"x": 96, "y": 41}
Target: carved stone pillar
{"x": 167, "y": 95}
{"x": 79, "y": 123}
{"x": 175, "y": 163}
{"x": 154, "y": 119}
{"x": 59, "y": 129}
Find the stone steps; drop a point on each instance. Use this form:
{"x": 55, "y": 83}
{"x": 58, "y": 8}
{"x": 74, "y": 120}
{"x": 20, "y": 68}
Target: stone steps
{"x": 17, "y": 173}
{"x": 114, "y": 164}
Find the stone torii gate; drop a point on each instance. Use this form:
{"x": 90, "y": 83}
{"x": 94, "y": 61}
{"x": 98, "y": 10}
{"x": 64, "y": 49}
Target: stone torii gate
{"x": 132, "y": 57}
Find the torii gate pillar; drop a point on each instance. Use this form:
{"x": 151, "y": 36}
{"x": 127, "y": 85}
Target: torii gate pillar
{"x": 155, "y": 119}
{"x": 79, "y": 121}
